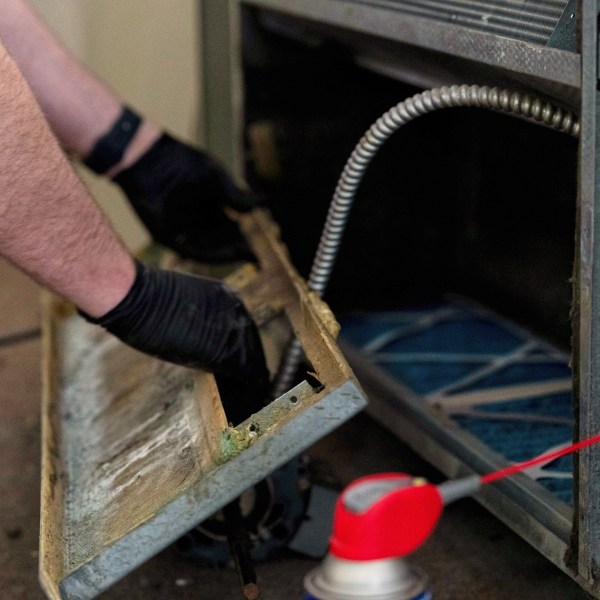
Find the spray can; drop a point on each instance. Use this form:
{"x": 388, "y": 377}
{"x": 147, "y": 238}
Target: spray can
{"x": 378, "y": 520}
{"x": 384, "y": 579}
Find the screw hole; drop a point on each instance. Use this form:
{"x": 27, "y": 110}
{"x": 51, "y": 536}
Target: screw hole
{"x": 253, "y": 427}
{"x": 293, "y": 399}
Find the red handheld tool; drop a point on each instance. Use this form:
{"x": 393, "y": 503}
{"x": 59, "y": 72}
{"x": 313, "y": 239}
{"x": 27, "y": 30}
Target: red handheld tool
{"x": 390, "y": 515}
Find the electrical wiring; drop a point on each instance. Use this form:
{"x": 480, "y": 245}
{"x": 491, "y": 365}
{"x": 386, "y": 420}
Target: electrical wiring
{"x": 517, "y": 103}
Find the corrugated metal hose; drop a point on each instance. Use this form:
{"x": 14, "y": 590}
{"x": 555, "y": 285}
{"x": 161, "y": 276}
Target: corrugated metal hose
{"x": 506, "y": 101}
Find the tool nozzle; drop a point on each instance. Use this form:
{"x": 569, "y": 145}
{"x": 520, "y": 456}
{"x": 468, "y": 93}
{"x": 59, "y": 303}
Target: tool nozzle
{"x": 459, "y": 488}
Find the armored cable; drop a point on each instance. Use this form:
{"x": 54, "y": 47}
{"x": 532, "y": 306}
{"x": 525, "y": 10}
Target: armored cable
{"x": 513, "y": 102}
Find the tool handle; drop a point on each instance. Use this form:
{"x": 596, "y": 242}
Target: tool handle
{"x": 387, "y": 515}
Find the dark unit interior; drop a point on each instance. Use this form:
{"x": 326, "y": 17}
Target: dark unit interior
{"x": 461, "y": 201}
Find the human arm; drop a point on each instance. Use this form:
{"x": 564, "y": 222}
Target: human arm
{"x": 51, "y": 228}
{"x": 49, "y": 225}
{"x": 178, "y": 191}
{"x": 78, "y": 106}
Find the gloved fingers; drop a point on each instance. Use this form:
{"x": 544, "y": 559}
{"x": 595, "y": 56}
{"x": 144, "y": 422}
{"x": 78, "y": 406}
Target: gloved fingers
{"x": 204, "y": 233}
{"x": 191, "y": 321}
{"x": 180, "y": 194}
{"x": 211, "y": 254}
{"x": 245, "y": 200}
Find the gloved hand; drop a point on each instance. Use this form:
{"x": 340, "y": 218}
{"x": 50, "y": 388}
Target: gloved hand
{"x": 195, "y": 322}
{"x": 179, "y": 194}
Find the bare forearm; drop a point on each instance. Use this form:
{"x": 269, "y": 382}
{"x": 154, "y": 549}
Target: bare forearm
{"x": 49, "y": 225}
{"x": 79, "y": 107}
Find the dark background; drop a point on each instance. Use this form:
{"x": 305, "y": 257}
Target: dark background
{"x": 462, "y": 200}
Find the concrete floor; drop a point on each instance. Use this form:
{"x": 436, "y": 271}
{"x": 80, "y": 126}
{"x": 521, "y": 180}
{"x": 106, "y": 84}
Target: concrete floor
{"x": 470, "y": 555}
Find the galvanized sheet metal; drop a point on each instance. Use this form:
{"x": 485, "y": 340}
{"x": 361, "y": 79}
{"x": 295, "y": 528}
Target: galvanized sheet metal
{"x": 528, "y": 21}
{"x": 136, "y": 452}
{"x": 547, "y": 69}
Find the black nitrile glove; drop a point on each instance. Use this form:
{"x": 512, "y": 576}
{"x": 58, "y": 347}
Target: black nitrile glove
{"x": 179, "y": 194}
{"x": 194, "y": 322}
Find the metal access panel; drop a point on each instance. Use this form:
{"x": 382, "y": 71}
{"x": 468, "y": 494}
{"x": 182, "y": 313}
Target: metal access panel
{"x": 136, "y": 451}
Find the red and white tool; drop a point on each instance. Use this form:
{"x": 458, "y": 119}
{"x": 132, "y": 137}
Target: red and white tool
{"x": 392, "y": 514}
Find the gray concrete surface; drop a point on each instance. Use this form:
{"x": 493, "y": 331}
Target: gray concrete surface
{"x": 471, "y": 554}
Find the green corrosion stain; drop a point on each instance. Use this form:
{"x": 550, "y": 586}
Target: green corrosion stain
{"x": 233, "y": 442}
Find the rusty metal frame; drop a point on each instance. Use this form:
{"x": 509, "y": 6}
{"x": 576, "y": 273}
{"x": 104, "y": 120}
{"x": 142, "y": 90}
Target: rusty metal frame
{"x": 136, "y": 452}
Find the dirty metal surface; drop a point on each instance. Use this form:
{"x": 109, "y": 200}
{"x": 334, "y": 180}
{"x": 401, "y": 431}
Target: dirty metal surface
{"x": 586, "y": 304}
{"x": 136, "y": 452}
{"x": 383, "y": 19}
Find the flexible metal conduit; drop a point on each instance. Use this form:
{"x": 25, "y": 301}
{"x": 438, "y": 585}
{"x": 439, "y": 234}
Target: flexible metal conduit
{"x": 517, "y": 103}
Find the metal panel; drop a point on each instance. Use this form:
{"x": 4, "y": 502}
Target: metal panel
{"x": 520, "y": 57}
{"x": 222, "y": 94}
{"x": 527, "y": 21}
{"x": 587, "y": 303}
{"x": 565, "y": 34}
{"x": 136, "y": 452}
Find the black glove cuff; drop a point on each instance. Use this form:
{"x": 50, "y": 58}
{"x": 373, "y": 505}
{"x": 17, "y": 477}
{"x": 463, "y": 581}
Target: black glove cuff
{"x": 170, "y": 163}
{"x": 156, "y": 172}
{"x": 131, "y": 295}
{"x": 110, "y": 148}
